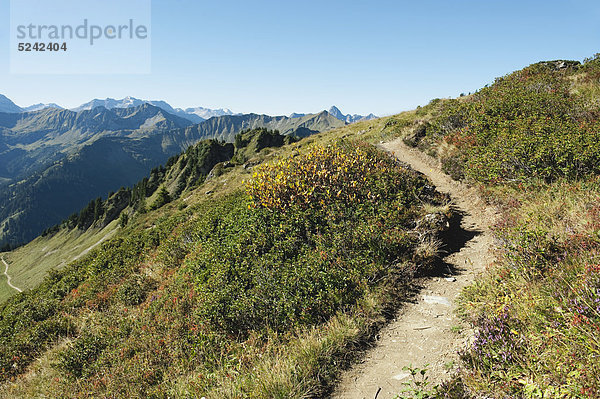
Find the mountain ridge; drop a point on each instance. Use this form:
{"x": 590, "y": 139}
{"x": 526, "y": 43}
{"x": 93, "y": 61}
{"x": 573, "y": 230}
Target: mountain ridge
{"x": 59, "y": 150}
{"x": 335, "y": 112}
{"x": 40, "y": 106}
{"x": 194, "y": 114}
{"x": 33, "y": 140}
{"x": 6, "y": 105}
{"x": 348, "y": 118}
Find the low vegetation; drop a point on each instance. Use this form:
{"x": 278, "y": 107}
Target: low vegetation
{"x": 537, "y": 310}
{"x": 530, "y": 142}
{"x": 258, "y": 292}
{"x": 533, "y": 123}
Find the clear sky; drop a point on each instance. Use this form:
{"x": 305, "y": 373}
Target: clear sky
{"x": 279, "y": 56}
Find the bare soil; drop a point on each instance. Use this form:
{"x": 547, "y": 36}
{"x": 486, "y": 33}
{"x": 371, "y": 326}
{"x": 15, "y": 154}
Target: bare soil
{"x": 426, "y": 330}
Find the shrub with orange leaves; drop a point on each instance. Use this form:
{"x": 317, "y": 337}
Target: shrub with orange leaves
{"x": 342, "y": 174}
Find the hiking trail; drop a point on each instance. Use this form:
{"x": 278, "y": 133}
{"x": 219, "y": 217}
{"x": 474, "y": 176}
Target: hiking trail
{"x": 426, "y": 330}
{"x": 8, "y": 278}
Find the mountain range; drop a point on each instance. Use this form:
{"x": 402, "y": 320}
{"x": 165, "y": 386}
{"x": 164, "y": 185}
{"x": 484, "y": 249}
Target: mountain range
{"x": 335, "y": 112}
{"x": 53, "y": 161}
{"x": 33, "y": 140}
{"x": 6, "y": 105}
{"x": 40, "y": 106}
{"x": 195, "y": 114}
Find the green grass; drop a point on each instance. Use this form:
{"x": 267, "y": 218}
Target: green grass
{"x": 29, "y": 265}
{"x": 5, "y": 291}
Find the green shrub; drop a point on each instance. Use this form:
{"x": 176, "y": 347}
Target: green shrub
{"x": 78, "y": 357}
{"x": 123, "y": 219}
{"x": 163, "y": 197}
{"x": 316, "y": 233}
{"x": 135, "y": 289}
{"x": 529, "y": 124}
{"x": 454, "y": 166}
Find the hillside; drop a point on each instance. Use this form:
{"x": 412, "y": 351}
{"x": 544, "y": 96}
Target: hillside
{"x": 6, "y": 105}
{"x": 203, "y": 252}
{"x": 93, "y": 224}
{"x": 33, "y": 140}
{"x": 529, "y": 144}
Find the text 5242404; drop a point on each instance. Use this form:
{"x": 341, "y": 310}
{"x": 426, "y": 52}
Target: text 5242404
{"x": 42, "y": 46}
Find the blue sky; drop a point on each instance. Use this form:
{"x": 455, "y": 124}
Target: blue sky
{"x": 278, "y": 57}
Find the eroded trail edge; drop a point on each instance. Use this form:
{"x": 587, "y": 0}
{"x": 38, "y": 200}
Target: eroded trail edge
{"x": 8, "y": 278}
{"x": 426, "y": 330}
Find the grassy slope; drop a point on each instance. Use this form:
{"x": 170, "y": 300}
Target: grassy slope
{"x": 293, "y": 364}
{"x": 29, "y": 265}
{"x": 5, "y": 291}
{"x": 540, "y": 301}
{"x": 529, "y": 142}
{"x": 535, "y": 310}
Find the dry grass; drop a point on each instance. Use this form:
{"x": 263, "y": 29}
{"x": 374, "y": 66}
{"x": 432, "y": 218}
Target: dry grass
{"x": 291, "y": 366}
{"x": 428, "y": 249}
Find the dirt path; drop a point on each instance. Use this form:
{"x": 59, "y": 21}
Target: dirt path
{"x": 8, "y": 277}
{"x": 426, "y": 331}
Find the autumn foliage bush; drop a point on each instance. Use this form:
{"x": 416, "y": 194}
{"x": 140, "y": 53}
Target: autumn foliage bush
{"x": 325, "y": 176}
{"x": 312, "y": 236}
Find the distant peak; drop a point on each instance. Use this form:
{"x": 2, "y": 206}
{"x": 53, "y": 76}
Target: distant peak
{"x": 41, "y": 106}
{"x": 335, "y": 111}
